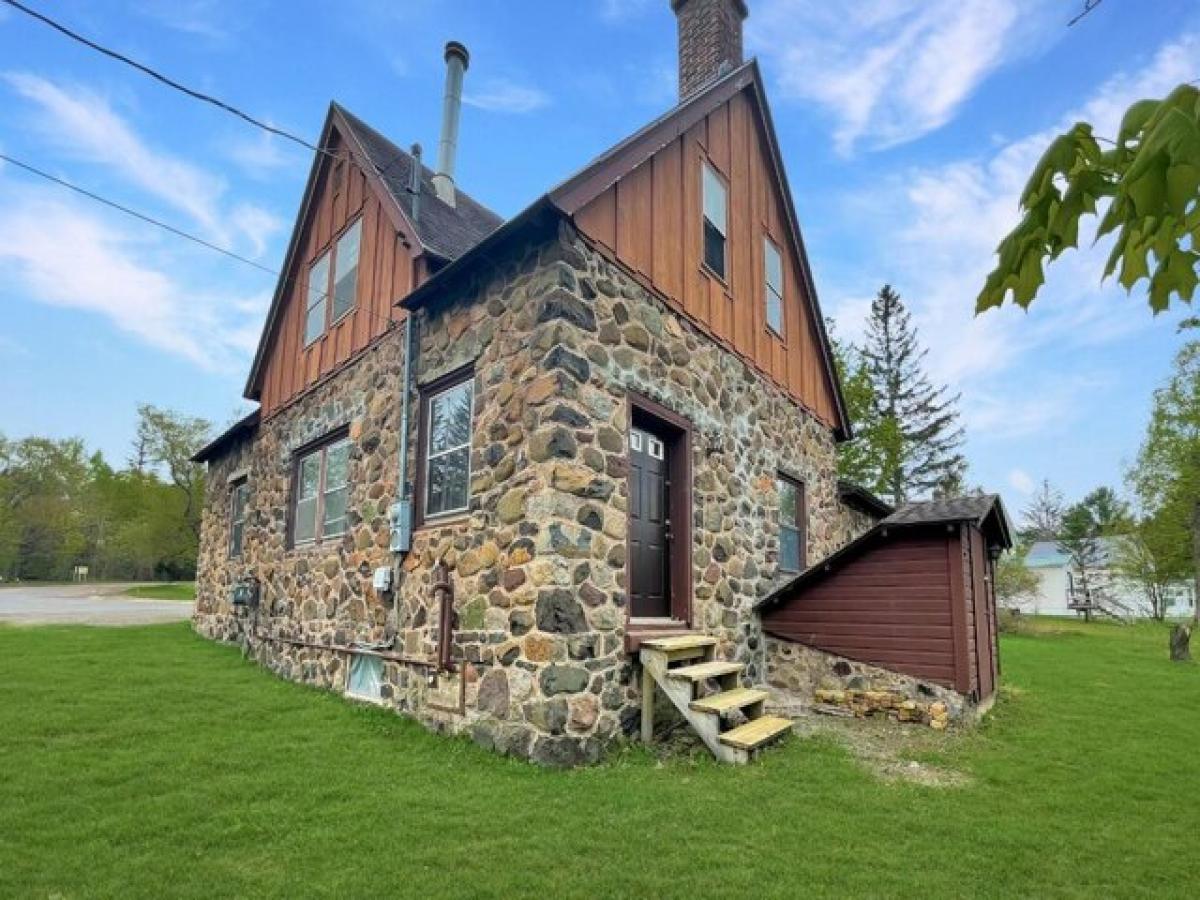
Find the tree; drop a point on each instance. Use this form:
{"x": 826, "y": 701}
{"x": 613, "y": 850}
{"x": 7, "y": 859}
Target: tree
{"x": 1084, "y": 537}
{"x": 1044, "y": 514}
{"x": 1166, "y": 476}
{"x": 862, "y": 460}
{"x": 1135, "y": 560}
{"x": 918, "y": 420}
{"x": 171, "y": 440}
{"x": 1015, "y": 581}
{"x": 1150, "y": 178}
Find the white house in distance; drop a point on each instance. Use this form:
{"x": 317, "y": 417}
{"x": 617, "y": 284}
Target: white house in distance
{"x": 1059, "y": 586}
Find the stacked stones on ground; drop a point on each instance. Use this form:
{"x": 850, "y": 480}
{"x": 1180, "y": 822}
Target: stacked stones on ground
{"x": 812, "y": 679}
{"x": 556, "y": 338}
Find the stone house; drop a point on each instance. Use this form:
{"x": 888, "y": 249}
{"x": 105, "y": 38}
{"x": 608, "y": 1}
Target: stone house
{"x": 498, "y": 467}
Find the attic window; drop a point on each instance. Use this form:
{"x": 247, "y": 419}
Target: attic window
{"x": 773, "y": 264}
{"x": 715, "y": 220}
{"x": 332, "y": 298}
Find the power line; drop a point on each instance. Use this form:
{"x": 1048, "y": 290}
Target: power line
{"x": 178, "y": 232}
{"x": 170, "y": 82}
{"x": 1088, "y": 6}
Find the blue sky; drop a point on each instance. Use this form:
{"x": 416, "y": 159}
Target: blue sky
{"x": 908, "y": 127}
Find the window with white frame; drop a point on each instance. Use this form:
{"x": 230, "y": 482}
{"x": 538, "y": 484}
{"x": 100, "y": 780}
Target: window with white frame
{"x": 773, "y": 265}
{"x": 322, "y": 488}
{"x": 447, "y": 448}
{"x": 318, "y": 299}
{"x": 333, "y": 283}
{"x": 239, "y": 495}
{"x": 715, "y": 220}
{"x": 792, "y": 524}
{"x": 345, "y": 270}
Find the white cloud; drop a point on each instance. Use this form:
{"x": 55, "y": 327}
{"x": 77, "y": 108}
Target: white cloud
{"x": 264, "y": 155}
{"x": 1021, "y": 482}
{"x": 889, "y": 71}
{"x": 503, "y": 96}
{"x": 67, "y": 256}
{"x": 198, "y": 18}
{"x": 81, "y": 124}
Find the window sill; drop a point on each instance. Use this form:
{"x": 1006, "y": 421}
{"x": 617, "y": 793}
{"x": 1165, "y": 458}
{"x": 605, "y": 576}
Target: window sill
{"x": 340, "y": 319}
{"x": 430, "y": 523}
{"x": 709, "y": 271}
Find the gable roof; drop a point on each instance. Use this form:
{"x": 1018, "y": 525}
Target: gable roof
{"x": 445, "y": 231}
{"x": 618, "y": 161}
{"x": 1049, "y": 554}
{"x": 440, "y": 230}
{"x": 244, "y": 426}
{"x": 985, "y": 511}
{"x": 857, "y": 496}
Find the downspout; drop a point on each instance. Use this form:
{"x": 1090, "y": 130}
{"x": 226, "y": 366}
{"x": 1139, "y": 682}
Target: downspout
{"x": 401, "y": 512}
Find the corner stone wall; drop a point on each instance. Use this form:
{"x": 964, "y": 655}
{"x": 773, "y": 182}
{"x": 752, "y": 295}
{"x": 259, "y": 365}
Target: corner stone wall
{"x": 558, "y": 337}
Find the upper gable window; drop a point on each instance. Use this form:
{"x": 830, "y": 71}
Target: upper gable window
{"x": 333, "y": 283}
{"x": 715, "y": 220}
{"x": 773, "y": 265}
{"x": 318, "y": 299}
{"x": 345, "y": 270}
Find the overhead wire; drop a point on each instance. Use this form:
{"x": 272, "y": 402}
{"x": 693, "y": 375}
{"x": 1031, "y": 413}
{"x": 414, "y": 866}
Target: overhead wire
{"x": 158, "y": 223}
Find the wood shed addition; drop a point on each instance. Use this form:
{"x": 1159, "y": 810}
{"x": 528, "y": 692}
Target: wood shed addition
{"x": 913, "y": 595}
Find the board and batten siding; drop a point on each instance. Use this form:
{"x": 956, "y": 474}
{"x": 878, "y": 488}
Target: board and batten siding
{"x": 651, "y": 221}
{"x": 890, "y": 607}
{"x": 387, "y": 270}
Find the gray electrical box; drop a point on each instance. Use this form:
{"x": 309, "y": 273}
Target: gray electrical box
{"x": 400, "y": 519}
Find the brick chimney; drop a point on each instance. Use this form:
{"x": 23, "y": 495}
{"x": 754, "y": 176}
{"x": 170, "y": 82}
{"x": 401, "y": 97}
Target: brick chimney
{"x": 710, "y": 40}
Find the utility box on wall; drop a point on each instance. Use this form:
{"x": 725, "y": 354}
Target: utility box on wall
{"x": 400, "y": 520}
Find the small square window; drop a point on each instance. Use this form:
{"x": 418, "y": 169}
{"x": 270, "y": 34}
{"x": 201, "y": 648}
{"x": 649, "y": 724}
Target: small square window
{"x": 365, "y": 678}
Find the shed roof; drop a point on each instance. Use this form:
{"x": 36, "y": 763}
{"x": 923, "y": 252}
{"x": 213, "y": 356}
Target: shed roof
{"x": 243, "y": 426}
{"x": 985, "y": 511}
{"x": 859, "y": 497}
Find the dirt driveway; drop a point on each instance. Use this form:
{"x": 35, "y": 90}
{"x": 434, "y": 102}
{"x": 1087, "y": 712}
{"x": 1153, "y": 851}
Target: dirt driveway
{"x": 85, "y": 604}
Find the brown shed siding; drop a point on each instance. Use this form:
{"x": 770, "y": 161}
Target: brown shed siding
{"x": 386, "y": 272}
{"x": 650, "y": 220}
{"x": 890, "y": 607}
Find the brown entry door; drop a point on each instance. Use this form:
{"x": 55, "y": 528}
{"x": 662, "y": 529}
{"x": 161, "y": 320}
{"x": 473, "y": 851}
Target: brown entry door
{"x": 649, "y": 526}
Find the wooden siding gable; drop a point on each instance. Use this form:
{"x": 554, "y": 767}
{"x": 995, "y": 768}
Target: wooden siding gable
{"x": 641, "y": 204}
{"x": 283, "y": 366}
{"x": 384, "y": 223}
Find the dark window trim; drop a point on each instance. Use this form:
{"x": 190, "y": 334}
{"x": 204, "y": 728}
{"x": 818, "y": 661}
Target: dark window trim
{"x": 781, "y": 333}
{"x": 706, "y": 162}
{"x": 330, "y": 247}
{"x": 801, "y": 523}
{"x": 427, "y": 392}
{"x": 319, "y": 444}
{"x": 234, "y": 486}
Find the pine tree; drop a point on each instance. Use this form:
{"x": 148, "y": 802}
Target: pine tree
{"x": 924, "y": 456}
{"x": 1044, "y": 514}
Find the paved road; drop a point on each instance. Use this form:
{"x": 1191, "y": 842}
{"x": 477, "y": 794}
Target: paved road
{"x": 85, "y": 604}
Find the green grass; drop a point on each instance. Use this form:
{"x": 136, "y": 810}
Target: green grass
{"x": 170, "y": 590}
{"x": 146, "y": 762}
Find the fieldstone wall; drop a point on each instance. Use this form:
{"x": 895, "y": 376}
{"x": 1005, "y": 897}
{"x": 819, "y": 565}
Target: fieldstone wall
{"x": 557, "y": 339}
{"x": 805, "y": 678}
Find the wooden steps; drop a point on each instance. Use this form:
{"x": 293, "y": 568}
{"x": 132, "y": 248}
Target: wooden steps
{"x": 756, "y": 733}
{"x": 724, "y": 702}
{"x": 705, "y": 670}
{"x": 681, "y": 666}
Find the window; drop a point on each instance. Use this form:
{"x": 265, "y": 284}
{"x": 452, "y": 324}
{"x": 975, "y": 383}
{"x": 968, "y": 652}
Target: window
{"x": 318, "y": 296}
{"x": 792, "y": 516}
{"x": 446, "y": 468}
{"x": 239, "y": 494}
{"x": 329, "y": 299}
{"x": 345, "y": 273}
{"x": 365, "y": 677}
{"x": 322, "y": 487}
{"x": 714, "y": 221}
{"x": 773, "y": 263}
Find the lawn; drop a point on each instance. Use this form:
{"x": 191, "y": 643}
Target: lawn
{"x": 146, "y": 762}
{"x": 166, "y": 590}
